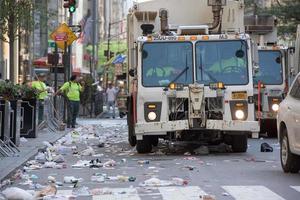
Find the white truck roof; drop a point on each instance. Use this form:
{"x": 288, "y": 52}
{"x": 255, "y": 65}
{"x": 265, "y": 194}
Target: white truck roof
{"x": 193, "y": 12}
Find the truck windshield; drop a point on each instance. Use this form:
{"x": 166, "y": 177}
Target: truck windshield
{"x": 222, "y": 61}
{"x": 270, "y": 68}
{"x": 164, "y": 62}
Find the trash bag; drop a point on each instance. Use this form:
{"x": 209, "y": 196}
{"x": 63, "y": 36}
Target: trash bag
{"x": 14, "y": 193}
{"x": 265, "y": 147}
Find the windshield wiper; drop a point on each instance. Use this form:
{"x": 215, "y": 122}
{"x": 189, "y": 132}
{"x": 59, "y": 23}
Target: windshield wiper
{"x": 179, "y": 75}
{"x": 208, "y": 74}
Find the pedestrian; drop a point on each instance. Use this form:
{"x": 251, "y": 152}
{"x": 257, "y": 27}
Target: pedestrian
{"x": 111, "y": 93}
{"x": 41, "y": 88}
{"x": 71, "y": 91}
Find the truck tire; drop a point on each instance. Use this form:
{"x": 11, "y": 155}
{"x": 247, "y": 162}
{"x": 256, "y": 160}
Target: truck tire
{"x": 154, "y": 140}
{"x": 239, "y": 143}
{"x": 130, "y": 124}
{"x": 289, "y": 161}
{"x": 144, "y": 145}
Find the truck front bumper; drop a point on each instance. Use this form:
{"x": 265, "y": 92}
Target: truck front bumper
{"x": 159, "y": 128}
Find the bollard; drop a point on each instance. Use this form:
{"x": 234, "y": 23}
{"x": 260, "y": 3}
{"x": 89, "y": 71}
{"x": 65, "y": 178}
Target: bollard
{"x": 7, "y": 121}
{"x": 15, "y": 120}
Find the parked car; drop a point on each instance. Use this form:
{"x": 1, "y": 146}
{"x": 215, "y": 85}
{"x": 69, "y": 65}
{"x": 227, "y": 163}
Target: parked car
{"x": 288, "y": 124}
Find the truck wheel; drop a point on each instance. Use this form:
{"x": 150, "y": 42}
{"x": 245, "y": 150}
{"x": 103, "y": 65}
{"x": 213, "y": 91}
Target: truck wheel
{"x": 130, "y": 123}
{"x": 289, "y": 161}
{"x": 239, "y": 143}
{"x": 154, "y": 140}
{"x": 145, "y": 145}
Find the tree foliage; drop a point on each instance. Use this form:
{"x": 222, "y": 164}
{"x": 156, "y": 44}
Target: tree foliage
{"x": 288, "y": 14}
{"x": 15, "y": 17}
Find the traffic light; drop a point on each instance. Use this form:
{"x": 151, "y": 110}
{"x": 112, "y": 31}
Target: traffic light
{"x": 71, "y": 5}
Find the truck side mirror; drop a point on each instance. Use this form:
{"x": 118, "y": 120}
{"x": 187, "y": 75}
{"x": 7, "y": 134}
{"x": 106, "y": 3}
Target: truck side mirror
{"x": 132, "y": 72}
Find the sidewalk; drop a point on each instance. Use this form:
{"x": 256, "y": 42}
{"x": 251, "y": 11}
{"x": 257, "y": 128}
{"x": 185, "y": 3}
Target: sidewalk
{"x": 28, "y": 149}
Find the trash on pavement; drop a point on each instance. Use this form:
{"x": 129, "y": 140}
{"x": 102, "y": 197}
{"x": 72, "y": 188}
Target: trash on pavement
{"x": 142, "y": 162}
{"x": 14, "y": 193}
{"x": 207, "y": 197}
{"x": 71, "y": 179}
{"x": 82, "y": 191}
{"x": 155, "y": 182}
{"x": 47, "y": 191}
{"x": 88, "y": 152}
{"x": 23, "y": 140}
{"x": 110, "y": 163}
{"x": 265, "y": 147}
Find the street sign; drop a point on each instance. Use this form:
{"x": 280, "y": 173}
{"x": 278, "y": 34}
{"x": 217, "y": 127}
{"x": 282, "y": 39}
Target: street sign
{"x": 61, "y": 37}
{"x": 63, "y": 34}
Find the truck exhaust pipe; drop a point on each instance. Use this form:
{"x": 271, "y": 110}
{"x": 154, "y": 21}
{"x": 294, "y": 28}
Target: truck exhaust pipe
{"x": 217, "y": 17}
{"x": 164, "y": 21}
{"x": 217, "y": 8}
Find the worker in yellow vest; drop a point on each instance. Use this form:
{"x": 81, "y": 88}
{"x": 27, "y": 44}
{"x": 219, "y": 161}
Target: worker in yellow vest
{"x": 72, "y": 90}
{"x": 41, "y": 88}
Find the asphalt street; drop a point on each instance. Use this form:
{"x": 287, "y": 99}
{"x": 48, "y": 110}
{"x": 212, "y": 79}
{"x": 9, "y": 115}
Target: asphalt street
{"x": 226, "y": 176}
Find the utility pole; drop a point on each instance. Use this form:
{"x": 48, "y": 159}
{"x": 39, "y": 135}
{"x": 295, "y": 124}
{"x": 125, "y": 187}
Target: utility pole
{"x": 70, "y": 69}
{"x": 94, "y": 37}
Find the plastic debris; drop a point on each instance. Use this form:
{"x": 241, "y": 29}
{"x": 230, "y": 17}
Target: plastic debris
{"x": 82, "y": 191}
{"x": 110, "y": 163}
{"x": 51, "y": 179}
{"x": 265, "y": 147}
{"x": 88, "y": 152}
{"x": 155, "y": 182}
{"x": 47, "y": 191}
{"x": 207, "y": 197}
{"x": 14, "y": 193}
{"x": 71, "y": 179}
{"x": 142, "y": 162}
{"x": 23, "y": 140}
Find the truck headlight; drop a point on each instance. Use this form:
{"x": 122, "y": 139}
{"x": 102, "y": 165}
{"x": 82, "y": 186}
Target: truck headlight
{"x": 152, "y": 116}
{"x": 275, "y": 107}
{"x": 239, "y": 114}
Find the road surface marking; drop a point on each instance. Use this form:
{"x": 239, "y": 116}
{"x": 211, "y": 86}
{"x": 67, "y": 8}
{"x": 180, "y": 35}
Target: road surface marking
{"x": 297, "y": 188}
{"x": 251, "y": 192}
{"x": 119, "y": 194}
{"x": 179, "y": 193}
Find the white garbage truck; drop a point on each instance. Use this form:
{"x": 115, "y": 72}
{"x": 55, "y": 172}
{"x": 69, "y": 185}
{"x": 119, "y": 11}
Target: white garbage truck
{"x": 190, "y": 73}
{"x": 271, "y": 81}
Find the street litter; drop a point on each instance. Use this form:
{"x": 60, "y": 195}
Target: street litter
{"x": 155, "y": 182}
{"x": 51, "y": 179}
{"x": 81, "y": 164}
{"x": 88, "y": 152}
{"x": 110, "y": 163}
{"x": 207, "y": 197}
{"x": 14, "y": 193}
{"x": 142, "y": 162}
{"x": 47, "y": 191}
{"x": 265, "y": 147}
{"x": 72, "y": 179}
{"x": 82, "y": 191}
{"x": 23, "y": 140}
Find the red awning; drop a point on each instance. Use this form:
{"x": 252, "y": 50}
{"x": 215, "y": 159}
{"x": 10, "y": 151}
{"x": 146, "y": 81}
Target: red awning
{"x": 41, "y": 62}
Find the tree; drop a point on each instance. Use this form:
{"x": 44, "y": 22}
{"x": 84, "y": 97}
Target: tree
{"x": 288, "y": 14}
{"x": 15, "y": 17}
